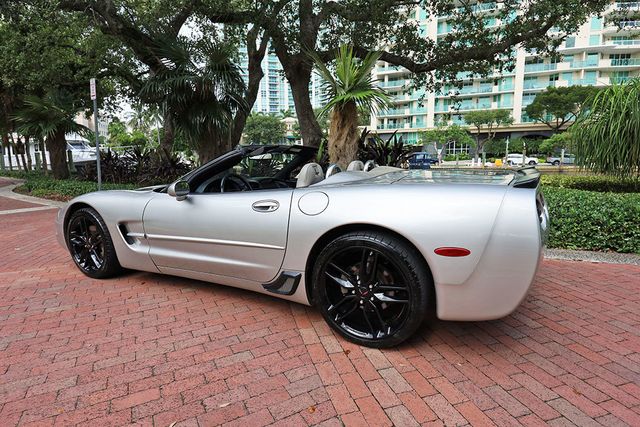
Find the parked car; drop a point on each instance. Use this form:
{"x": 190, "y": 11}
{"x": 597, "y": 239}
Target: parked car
{"x": 515, "y": 159}
{"x": 422, "y": 160}
{"x": 367, "y": 248}
{"x": 569, "y": 159}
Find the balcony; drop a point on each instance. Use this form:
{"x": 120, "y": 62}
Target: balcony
{"x": 534, "y": 68}
{"x": 393, "y": 112}
{"x": 625, "y": 42}
{"x": 584, "y": 64}
{"x": 625, "y": 62}
{"x": 630, "y": 6}
{"x": 392, "y": 84}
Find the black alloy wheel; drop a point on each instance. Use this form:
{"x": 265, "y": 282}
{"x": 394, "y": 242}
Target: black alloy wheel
{"x": 372, "y": 288}
{"x": 90, "y": 244}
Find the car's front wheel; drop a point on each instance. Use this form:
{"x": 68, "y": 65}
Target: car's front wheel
{"x": 532, "y": 162}
{"x": 372, "y": 288}
{"x": 90, "y": 244}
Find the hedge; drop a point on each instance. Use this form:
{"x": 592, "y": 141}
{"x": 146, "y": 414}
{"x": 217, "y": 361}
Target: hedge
{"x": 593, "y": 221}
{"x": 41, "y": 186}
{"x": 599, "y": 183}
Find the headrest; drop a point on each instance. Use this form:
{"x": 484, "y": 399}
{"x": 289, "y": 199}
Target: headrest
{"x": 356, "y": 165}
{"x": 310, "y": 174}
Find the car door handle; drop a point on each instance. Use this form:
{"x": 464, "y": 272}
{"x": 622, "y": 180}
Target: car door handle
{"x": 265, "y": 206}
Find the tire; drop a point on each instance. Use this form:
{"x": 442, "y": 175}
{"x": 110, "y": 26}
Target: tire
{"x": 556, "y": 163}
{"x": 348, "y": 299}
{"x": 90, "y": 244}
{"x": 532, "y": 163}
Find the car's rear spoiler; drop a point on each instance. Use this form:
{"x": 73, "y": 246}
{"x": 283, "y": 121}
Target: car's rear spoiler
{"x": 527, "y": 177}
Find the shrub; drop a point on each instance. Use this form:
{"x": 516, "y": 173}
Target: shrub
{"x": 600, "y": 183}
{"x": 136, "y": 166}
{"x": 452, "y": 157}
{"x": 63, "y": 189}
{"x": 593, "y": 221}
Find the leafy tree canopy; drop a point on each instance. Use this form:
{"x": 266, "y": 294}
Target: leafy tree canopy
{"x": 474, "y": 46}
{"x": 557, "y": 142}
{"x": 264, "y": 129}
{"x": 556, "y": 106}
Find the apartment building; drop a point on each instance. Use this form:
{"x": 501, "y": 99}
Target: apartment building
{"x": 275, "y": 95}
{"x": 599, "y": 53}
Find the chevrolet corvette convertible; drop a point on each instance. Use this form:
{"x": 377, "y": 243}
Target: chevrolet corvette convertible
{"x": 374, "y": 248}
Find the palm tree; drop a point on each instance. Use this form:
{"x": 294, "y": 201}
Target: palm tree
{"x": 51, "y": 117}
{"x": 351, "y": 89}
{"x": 606, "y": 136}
{"x": 201, "y": 89}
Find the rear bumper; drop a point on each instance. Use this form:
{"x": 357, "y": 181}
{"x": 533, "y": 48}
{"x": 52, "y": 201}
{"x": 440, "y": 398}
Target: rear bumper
{"x": 505, "y": 273}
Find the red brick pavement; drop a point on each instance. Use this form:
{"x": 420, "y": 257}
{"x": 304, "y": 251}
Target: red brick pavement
{"x": 10, "y": 204}
{"x": 156, "y": 350}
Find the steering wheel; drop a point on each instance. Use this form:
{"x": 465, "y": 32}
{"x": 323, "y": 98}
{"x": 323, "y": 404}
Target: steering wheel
{"x": 238, "y": 180}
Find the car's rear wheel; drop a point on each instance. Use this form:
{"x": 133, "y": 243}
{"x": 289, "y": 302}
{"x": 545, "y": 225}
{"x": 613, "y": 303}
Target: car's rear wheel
{"x": 90, "y": 244}
{"x": 532, "y": 162}
{"x": 372, "y": 288}
{"x": 556, "y": 163}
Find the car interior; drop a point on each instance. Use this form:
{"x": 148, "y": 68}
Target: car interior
{"x": 273, "y": 167}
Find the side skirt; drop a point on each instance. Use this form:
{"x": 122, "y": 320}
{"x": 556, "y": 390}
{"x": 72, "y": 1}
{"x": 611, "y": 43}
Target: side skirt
{"x": 285, "y": 284}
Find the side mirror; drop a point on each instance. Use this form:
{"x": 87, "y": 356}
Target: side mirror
{"x": 179, "y": 189}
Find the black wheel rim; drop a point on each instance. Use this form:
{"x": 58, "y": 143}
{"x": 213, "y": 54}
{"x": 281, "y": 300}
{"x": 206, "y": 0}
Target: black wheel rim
{"x": 86, "y": 242}
{"x": 367, "y": 295}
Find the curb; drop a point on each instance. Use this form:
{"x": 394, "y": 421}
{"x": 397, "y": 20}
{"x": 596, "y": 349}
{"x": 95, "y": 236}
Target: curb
{"x": 591, "y": 256}
{"x": 7, "y": 191}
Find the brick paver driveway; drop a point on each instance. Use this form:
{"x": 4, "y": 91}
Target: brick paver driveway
{"x": 156, "y": 350}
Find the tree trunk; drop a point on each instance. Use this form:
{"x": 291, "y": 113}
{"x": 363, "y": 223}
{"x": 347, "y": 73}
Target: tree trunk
{"x": 43, "y": 152}
{"x": 255, "y": 55}
{"x": 16, "y": 152}
{"x": 28, "y": 152}
{"x": 168, "y": 135}
{"x": 298, "y": 75}
{"x": 213, "y": 145}
{"x": 343, "y": 135}
{"x": 57, "y": 146}
{"x": 7, "y": 145}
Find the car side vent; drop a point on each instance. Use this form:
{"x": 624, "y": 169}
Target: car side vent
{"x": 125, "y": 234}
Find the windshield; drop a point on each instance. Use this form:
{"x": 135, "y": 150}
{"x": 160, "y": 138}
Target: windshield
{"x": 263, "y": 165}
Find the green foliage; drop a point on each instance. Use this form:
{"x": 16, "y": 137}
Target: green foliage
{"x": 593, "y": 221}
{"x": 136, "y": 166}
{"x": 46, "y": 116}
{"x": 607, "y": 137}
{"x": 46, "y": 187}
{"x": 443, "y": 135}
{"x": 452, "y": 157}
{"x": 264, "y": 129}
{"x": 351, "y": 81}
{"x": 557, "y": 142}
{"x": 487, "y": 121}
{"x": 599, "y": 183}
{"x": 202, "y": 89}
{"x": 390, "y": 152}
{"x": 556, "y": 106}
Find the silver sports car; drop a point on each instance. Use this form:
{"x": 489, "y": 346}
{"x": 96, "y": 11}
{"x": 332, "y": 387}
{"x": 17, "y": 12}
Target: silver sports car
{"x": 373, "y": 248}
